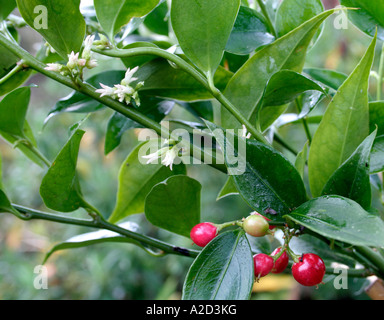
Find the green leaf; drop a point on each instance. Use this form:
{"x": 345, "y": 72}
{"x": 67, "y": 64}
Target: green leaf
{"x": 98, "y": 237}
{"x": 331, "y": 78}
{"x": 262, "y": 175}
{"x": 77, "y": 102}
{"x": 285, "y": 86}
{"x": 342, "y": 219}
{"x": 369, "y": 17}
{"x": 344, "y": 126}
{"x": 203, "y": 28}
{"x": 228, "y": 189}
{"x": 5, "y": 204}
{"x": 245, "y": 90}
{"x": 60, "y": 188}
{"x": 249, "y": 32}
{"x": 222, "y": 271}
{"x": 13, "y": 110}
{"x": 137, "y": 179}
{"x": 162, "y": 80}
{"x": 376, "y": 163}
{"x": 59, "y": 22}
{"x": 351, "y": 180}
{"x": 292, "y": 13}
{"x": 174, "y": 204}
{"x": 115, "y": 14}
{"x": 157, "y": 20}
{"x": 6, "y": 7}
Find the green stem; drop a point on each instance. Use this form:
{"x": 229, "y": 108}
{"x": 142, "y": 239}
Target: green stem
{"x": 19, "y": 66}
{"x": 267, "y": 17}
{"x": 100, "y": 223}
{"x": 304, "y": 122}
{"x": 380, "y": 76}
{"x": 279, "y": 139}
{"x": 373, "y": 257}
{"x": 185, "y": 66}
{"x": 128, "y": 111}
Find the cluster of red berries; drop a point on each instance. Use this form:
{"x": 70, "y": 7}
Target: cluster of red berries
{"x": 308, "y": 269}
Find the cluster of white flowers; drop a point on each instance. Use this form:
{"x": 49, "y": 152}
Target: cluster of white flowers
{"x": 75, "y": 64}
{"x": 168, "y": 154}
{"x": 123, "y": 92}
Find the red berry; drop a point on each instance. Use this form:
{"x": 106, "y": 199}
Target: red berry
{"x": 281, "y": 263}
{"x": 270, "y": 227}
{"x": 255, "y": 226}
{"x": 203, "y": 233}
{"x": 263, "y": 264}
{"x": 310, "y": 270}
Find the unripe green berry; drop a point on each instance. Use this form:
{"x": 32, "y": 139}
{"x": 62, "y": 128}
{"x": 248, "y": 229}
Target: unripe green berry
{"x": 256, "y": 226}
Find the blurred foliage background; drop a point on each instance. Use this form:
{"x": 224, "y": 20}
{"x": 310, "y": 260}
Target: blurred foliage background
{"x": 123, "y": 271}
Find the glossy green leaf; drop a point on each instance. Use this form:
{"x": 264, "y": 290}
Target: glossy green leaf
{"x": 98, "y": 237}
{"x": 203, "y": 28}
{"x": 136, "y": 179}
{"x": 222, "y": 271}
{"x": 263, "y": 176}
{"x": 249, "y": 32}
{"x": 157, "y": 20}
{"x": 174, "y": 204}
{"x": 115, "y": 14}
{"x": 162, "y": 80}
{"x": 369, "y": 17}
{"x": 245, "y": 90}
{"x": 60, "y": 187}
{"x": 351, "y": 180}
{"x": 285, "y": 86}
{"x": 331, "y": 78}
{"x": 6, "y": 7}
{"x": 376, "y": 163}
{"x": 292, "y": 13}
{"x": 77, "y": 102}
{"x": 229, "y": 188}
{"x": 13, "y": 110}
{"x": 344, "y": 126}
{"x": 59, "y": 22}
{"x": 341, "y": 219}
{"x": 152, "y": 107}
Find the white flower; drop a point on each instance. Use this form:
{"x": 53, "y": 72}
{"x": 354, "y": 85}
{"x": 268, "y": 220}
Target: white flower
{"x": 106, "y": 91}
{"x": 129, "y": 76}
{"x": 92, "y": 63}
{"x": 55, "y": 67}
{"x": 170, "y": 157}
{"x": 73, "y": 60}
{"x": 168, "y": 154}
{"x": 88, "y": 42}
{"x": 124, "y": 91}
{"x": 155, "y": 155}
